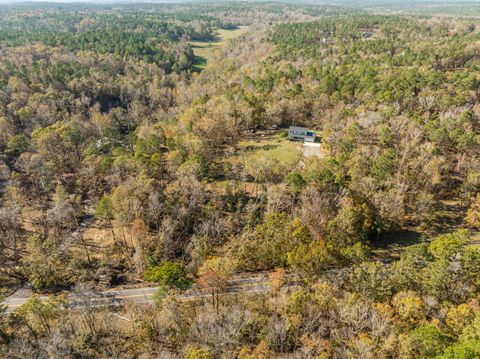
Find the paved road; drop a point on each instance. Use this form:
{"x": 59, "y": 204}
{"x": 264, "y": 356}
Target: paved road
{"x": 111, "y": 298}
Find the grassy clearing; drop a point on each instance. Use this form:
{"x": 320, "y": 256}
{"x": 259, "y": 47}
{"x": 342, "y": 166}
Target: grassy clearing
{"x": 262, "y": 149}
{"x": 279, "y": 149}
{"x": 204, "y": 50}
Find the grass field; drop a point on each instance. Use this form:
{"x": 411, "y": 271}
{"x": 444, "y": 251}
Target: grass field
{"x": 280, "y": 149}
{"x": 204, "y": 50}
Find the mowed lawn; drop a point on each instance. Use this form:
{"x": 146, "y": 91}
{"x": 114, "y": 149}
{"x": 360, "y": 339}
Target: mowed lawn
{"x": 280, "y": 149}
{"x": 204, "y": 50}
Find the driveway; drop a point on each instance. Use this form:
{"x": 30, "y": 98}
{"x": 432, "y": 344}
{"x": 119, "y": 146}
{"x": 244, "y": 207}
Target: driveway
{"x": 312, "y": 149}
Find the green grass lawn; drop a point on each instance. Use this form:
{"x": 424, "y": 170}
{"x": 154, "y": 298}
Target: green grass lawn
{"x": 282, "y": 150}
{"x": 204, "y": 50}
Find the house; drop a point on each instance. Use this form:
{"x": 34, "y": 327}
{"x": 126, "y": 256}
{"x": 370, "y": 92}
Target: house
{"x": 301, "y": 134}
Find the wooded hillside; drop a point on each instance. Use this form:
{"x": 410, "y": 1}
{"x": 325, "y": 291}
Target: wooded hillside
{"x": 125, "y": 164}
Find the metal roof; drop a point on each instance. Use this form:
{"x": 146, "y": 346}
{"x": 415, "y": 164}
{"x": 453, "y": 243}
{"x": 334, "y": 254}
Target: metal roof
{"x": 296, "y": 128}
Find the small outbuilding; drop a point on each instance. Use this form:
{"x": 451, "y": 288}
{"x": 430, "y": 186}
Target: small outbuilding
{"x": 301, "y": 134}
{"x": 367, "y": 34}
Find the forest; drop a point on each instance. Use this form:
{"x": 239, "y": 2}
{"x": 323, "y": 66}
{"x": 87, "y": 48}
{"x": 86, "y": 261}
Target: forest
{"x": 126, "y": 168}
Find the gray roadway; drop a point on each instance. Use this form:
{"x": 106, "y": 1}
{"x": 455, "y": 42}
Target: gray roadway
{"x": 92, "y": 299}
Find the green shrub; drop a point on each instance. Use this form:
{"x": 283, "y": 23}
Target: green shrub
{"x": 283, "y": 134}
{"x": 198, "y": 353}
{"x": 168, "y": 275}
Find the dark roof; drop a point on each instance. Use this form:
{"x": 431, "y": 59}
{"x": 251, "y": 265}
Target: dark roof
{"x": 297, "y": 129}
{"x": 300, "y": 132}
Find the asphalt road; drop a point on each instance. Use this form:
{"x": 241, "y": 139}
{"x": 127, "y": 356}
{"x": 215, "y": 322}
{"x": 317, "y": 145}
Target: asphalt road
{"x": 112, "y": 298}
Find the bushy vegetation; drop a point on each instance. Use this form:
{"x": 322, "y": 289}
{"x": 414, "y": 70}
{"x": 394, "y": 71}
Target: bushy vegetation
{"x": 120, "y": 164}
{"x": 168, "y": 275}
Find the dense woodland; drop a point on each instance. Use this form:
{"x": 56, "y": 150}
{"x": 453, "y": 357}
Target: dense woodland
{"x": 120, "y": 165}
